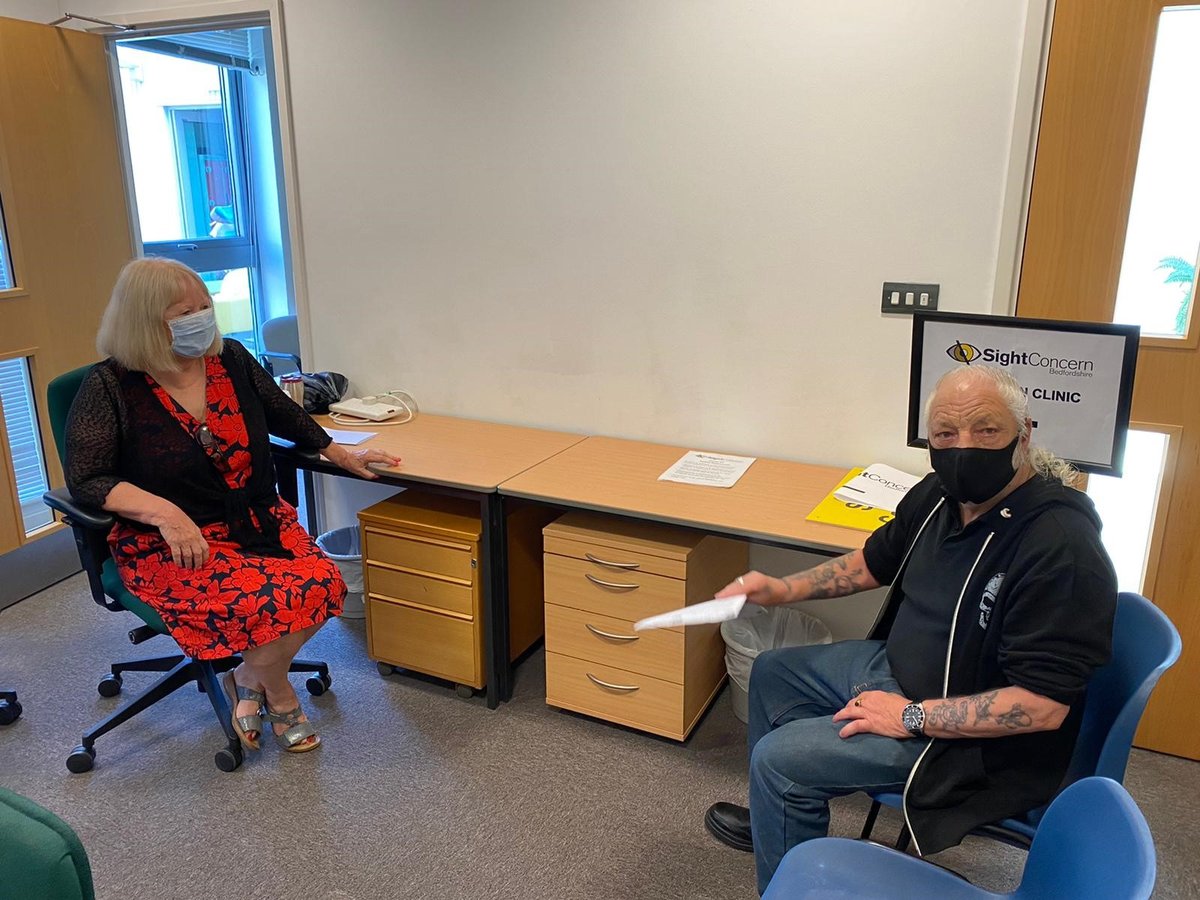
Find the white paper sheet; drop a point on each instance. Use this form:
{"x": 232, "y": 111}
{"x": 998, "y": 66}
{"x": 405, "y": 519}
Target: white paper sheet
{"x": 349, "y": 438}
{"x": 697, "y": 614}
{"x": 877, "y": 485}
{"x": 710, "y": 469}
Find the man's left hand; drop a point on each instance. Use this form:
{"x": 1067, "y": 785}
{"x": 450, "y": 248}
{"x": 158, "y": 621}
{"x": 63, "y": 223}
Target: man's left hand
{"x": 874, "y": 712}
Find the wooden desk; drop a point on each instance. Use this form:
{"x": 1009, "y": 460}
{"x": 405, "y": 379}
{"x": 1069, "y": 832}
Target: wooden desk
{"x": 458, "y": 457}
{"x": 768, "y": 504}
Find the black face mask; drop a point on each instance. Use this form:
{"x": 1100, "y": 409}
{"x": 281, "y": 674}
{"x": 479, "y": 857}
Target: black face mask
{"x": 973, "y": 474}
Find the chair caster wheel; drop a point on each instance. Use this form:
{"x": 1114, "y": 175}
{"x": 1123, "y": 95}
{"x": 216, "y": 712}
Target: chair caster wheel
{"x": 81, "y": 760}
{"x": 109, "y": 686}
{"x": 464, "y": 691}
{"x": 229, "y": 758}
{"x": 10, "y": 712}
{"x": 318, "y": 684}
{"x": 385, "y": 669}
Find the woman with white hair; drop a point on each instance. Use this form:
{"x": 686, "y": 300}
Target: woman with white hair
{"x": 170, "y": 434}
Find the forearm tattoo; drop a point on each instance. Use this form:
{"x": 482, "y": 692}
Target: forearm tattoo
{"x": 836, "y": 578}
{"x": 962, "y": 712}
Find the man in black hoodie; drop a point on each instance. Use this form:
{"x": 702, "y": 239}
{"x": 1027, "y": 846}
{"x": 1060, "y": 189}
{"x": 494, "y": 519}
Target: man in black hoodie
{"x": 967, "y": 696}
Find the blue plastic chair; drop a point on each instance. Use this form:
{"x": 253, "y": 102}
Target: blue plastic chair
{"x": 1092, "y": 844}
{"x": 1145, "y": 644}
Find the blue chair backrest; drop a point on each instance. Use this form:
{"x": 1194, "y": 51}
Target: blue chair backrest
{"x": 1093, "y": 844}
{"x": 1145, "y": 644}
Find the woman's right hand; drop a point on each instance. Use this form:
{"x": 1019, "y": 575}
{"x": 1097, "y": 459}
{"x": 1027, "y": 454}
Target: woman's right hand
{"x": 764, "y": 590}
{"x": 189, "y": 549}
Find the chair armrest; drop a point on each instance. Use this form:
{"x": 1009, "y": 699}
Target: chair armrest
{"x": 60, "y": 500}
{"x": 91, "y": 527}
{"x": 283, "y": 449}
{"x": 265, "y": 357}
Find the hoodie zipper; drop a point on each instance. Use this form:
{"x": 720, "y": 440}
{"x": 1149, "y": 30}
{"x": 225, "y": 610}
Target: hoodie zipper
{"x": 945, "y": 686}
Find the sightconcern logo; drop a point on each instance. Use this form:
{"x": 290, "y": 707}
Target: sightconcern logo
{"x": 965, "y": 353}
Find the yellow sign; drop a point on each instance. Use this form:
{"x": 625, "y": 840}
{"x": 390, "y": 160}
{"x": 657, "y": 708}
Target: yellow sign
{"x": 833, "y": 511}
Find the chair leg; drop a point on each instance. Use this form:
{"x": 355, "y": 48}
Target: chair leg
{"x": 172, "y": 681}
{"x": 154, "y": 664}
{"x": 307, "y": 665}
{"x": 869, "y": 825}
{"x": 206, "y": 677}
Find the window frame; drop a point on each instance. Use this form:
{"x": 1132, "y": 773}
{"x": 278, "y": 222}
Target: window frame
{"x": 32, "y": 442}
{"x": 207, "y": 254}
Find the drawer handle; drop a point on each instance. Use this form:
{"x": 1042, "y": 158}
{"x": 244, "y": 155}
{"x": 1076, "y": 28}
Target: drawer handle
{"x": 612, "y": 565}
{"x": 612, "y": 637}
{"x": 616, "y": 586}
{"x": 612, "y": 687}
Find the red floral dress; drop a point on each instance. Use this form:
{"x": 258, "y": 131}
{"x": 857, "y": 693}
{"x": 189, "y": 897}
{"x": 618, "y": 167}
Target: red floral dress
{"x": 235, "y": 601}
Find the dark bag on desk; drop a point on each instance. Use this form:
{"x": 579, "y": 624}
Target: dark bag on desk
{"x": 323, "y": 388}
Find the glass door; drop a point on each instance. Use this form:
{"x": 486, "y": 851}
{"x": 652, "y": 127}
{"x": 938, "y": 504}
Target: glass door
{"x": 203, "y": 152}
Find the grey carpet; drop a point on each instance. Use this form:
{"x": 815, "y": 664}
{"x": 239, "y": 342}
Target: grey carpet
{"x": 416, "y": 793}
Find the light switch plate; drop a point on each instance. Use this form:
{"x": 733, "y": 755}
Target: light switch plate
{"x": 907, "y": 297}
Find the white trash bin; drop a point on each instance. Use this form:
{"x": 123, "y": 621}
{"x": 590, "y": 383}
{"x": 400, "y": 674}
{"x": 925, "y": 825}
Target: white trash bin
{"x": 344, "y": 547}
{"x": 762, "y": 628}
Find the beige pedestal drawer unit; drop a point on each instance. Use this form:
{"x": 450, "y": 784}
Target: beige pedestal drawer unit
{"x": 603, "y": 573}
{"x": 422, "y": 586}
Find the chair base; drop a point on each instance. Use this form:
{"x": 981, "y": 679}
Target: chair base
{"x": 180, "y": 671}
{"x": 10, "y": 707}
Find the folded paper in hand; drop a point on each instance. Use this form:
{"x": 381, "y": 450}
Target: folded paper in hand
{"x": 705, "y": 613}
{"x": 877, "y": 485}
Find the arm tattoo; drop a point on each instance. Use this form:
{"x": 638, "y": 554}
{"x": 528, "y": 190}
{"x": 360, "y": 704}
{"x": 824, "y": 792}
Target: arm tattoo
{"x": 948, "y": 714}
{"x": 983, "y": 705}
{"x": 1015, "y": 718}
{"x": 833, "y": 579}
{"x": 954, "y": 714}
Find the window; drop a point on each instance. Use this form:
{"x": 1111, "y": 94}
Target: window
{"x": 203, "y": 151}
{"x": 1158, "y": 270}
{"x": 1128, "y": 505}
{"x": 6, "y": 277}
{"x": 20, "y": 420}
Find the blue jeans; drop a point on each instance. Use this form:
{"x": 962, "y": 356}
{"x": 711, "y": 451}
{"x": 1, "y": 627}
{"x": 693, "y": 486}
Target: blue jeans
{"x": 797, "y": 760}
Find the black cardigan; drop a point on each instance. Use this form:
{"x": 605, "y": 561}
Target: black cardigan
{"x": 117, "y": 431}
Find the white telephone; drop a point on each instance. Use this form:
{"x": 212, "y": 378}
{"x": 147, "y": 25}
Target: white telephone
{"x": 389, "y": 408}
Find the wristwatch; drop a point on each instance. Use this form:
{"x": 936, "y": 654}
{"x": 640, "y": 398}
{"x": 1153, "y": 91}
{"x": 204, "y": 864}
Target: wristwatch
{"x": 913, "y": 719}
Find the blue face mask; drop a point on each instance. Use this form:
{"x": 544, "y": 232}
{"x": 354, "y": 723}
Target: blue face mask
{"x": 193, "y": 334}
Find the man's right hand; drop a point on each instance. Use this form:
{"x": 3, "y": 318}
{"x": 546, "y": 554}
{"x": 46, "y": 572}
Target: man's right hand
{"x": 189, "y": 549}
{"x": 765, "y": 590}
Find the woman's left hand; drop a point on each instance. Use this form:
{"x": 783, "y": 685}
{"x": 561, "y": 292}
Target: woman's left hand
{"x": 357, "y": 461}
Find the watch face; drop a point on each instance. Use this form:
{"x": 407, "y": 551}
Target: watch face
{"x": 912, "y": 718}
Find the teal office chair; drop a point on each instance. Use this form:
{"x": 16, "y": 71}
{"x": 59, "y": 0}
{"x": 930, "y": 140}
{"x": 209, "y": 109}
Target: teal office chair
{"x": 91, "y": 527}
{"x": 1145, "y": 644}
{"x": 40, "y": 855}
{"x": 1093, "y": 844}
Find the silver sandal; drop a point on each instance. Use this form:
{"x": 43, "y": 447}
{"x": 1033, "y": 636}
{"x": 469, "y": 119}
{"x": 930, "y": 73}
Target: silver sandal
{"x": 243, "y": 724}
{"x": 297, "y": 732}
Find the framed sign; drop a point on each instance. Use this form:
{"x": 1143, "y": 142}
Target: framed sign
{"x": 1078, "y": 377}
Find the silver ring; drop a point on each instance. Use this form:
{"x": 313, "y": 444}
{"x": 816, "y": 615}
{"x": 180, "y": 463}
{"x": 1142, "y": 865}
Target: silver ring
{"x": 741, "y": 581}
